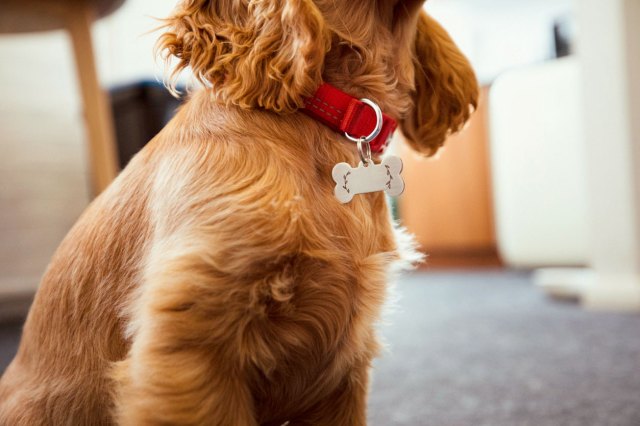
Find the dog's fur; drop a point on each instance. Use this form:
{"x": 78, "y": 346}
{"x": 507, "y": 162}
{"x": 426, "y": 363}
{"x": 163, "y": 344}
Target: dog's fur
{"x": 217, "y": 280}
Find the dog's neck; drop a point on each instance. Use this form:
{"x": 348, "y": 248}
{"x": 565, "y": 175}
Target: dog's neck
{"x": 375, "y": 81}
{"x": 366, "y": 55}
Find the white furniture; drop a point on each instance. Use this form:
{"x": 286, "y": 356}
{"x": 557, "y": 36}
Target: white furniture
{"x": 538, "y": 165}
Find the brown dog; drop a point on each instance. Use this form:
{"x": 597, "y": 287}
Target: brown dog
{"x": 218, "y": 281}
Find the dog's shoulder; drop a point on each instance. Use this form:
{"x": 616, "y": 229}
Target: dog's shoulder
{"x": 213, "y": 160}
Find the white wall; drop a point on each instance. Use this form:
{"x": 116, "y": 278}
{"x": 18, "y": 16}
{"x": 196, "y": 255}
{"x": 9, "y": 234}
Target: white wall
{"x": 498, "y": 35}
{"x": 125, "y": 40}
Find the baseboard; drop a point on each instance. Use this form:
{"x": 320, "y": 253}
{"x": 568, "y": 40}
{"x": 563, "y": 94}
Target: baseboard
{"x": 603, "y": 292}
{"x": 462, "y": 259}
{"x": 613, "y": 292}
{"x": 563, "y": 283}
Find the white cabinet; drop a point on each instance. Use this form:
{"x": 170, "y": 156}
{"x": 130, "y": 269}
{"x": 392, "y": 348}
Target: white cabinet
{"x": 539, "y": 165}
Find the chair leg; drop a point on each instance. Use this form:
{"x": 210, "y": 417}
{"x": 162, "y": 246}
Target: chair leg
{"x": 102, "y": 149}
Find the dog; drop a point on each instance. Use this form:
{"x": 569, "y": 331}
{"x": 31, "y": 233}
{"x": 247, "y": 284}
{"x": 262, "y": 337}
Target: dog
{"x": 218, "y": 281}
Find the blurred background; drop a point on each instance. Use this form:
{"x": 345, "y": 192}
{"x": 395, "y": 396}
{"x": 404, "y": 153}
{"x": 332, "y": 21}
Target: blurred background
{"x": 526, "y": 312}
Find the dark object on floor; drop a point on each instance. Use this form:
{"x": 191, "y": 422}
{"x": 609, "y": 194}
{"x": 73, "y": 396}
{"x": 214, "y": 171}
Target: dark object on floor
{"x": 140, "y": 111}
{"x": 487, "y": 349}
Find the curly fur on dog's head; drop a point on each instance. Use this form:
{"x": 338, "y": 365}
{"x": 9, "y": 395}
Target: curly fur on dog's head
{"x": 273, "y": 53}
{"x": 260, "y": 53}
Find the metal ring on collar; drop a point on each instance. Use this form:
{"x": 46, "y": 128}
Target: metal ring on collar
{"x": 364, "y": 149}
{"x": 378, "y": 127}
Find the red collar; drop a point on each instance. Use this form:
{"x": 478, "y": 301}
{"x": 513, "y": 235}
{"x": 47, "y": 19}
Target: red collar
{"x": 346, "y": 114}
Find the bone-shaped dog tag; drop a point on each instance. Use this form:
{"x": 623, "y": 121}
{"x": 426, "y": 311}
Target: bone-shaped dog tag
{"x": 372, "y": 178}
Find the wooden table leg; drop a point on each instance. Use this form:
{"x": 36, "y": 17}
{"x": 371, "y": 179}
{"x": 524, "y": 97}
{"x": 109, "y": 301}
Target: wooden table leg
{"x": 102, "y": 148}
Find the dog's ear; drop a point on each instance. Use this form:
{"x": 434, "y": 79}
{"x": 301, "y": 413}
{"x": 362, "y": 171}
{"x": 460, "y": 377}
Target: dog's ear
{"x": 252, "y": 53}
{"x": 446, "y": 88}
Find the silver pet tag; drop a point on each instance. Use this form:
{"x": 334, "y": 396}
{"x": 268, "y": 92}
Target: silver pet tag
{"x": 368, "y": 176}
{"x": 363, "y": 179}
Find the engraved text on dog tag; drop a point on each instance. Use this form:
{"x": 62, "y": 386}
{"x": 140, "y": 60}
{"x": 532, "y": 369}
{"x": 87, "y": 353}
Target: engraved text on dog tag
{"x": 372, "y": 178}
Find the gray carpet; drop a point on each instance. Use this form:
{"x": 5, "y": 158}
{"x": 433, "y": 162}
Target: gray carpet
{"x": 487, "y": 349}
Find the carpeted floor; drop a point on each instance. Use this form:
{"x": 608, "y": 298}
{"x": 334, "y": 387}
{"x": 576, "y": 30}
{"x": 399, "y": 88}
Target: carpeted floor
{"x": 487, "y": 349}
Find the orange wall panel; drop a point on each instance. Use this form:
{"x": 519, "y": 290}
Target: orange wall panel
{"x": 447, "y": 201}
